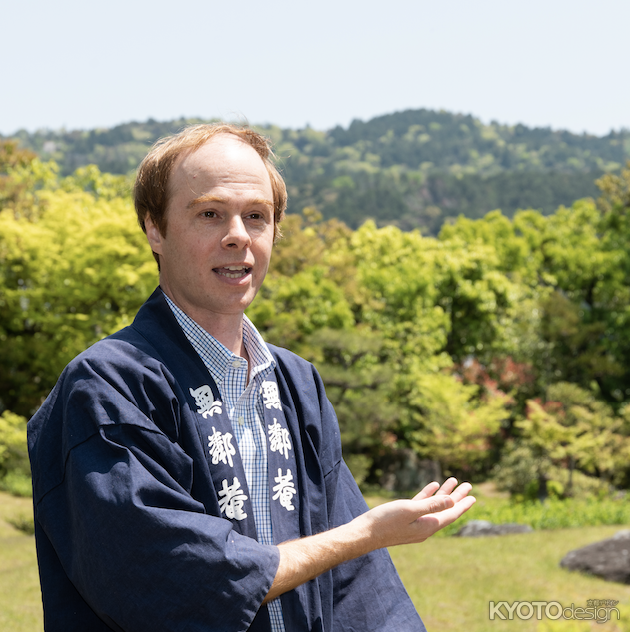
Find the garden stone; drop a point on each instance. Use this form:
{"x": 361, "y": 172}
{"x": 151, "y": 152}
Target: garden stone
{"x": 478, "y": 528}
{"x": 608, "y": 559}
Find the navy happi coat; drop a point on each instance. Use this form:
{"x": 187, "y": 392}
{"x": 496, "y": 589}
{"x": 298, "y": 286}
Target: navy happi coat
{"x": 128, "y": 527}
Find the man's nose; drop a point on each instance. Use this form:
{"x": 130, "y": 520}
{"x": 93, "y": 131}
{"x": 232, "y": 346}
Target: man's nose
{"x": 236, "y": 235}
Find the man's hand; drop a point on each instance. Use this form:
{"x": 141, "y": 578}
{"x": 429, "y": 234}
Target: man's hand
{"x": 396, "y": 522}
{"x": 407, "y": 521}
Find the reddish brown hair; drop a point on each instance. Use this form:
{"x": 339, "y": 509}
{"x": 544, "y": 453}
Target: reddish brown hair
{"x": 151, "y": 192}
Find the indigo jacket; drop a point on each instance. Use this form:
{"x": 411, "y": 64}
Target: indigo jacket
{"x": 128, "y": 527}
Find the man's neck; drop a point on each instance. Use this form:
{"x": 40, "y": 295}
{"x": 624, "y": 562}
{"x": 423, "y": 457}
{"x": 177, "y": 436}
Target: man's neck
{"x": 228, "y": 333}
{"x": 226, "y": 328}
{"x": 229, "y": 336}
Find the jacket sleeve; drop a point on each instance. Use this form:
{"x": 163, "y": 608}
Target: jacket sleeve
{"x": 118, "y": 523}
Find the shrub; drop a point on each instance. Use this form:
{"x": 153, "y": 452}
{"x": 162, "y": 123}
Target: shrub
{"x": 14, "y": 464}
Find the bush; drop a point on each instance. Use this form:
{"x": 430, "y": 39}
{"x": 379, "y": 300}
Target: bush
{"x": 15, "y": 471}
{"x": 551, "y": 514}
{"x": 23, "y": 523}
{"x": 17, "y": 484}
{"x": 518, "y": 473}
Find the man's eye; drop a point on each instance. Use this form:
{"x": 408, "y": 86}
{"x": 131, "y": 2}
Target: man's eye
{"x": 258, "y": 215}
{"x": 209, "y": 214}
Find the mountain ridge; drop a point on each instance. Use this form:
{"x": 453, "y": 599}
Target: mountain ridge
{"x": 412, "y": 168}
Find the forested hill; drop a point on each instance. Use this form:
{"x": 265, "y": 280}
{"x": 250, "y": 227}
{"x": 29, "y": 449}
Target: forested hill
{"x": 413, "y": 169}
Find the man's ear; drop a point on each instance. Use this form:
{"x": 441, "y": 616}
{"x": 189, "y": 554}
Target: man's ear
{"x": 154, "y": 237}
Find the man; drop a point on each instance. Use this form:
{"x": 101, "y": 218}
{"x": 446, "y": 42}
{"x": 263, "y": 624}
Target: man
{"x": 186, "y": 475}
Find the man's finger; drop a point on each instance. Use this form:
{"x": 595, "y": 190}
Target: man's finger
{"x": 439, "y": 518}
{"x": 461, "y": 492}
{"x": 427, "y": 491}
{"x": 434, "y": 488}
{"x": 435, "y": 504}
{"x": 454, "y": 512}
{"x": 448, "y": 486}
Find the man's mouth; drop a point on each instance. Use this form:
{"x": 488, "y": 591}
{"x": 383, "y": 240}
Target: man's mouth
{"x": 233, "y": 272}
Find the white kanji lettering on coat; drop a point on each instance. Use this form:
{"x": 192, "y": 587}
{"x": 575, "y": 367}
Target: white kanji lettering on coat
{"x": 231, "y": 499}
{"x": 270, "y": 394}
{"x": 279, "y": 439}
{"x": 204, "y": 398}
{"x": 221, "y": 448}
{"x": 285, "y": 489}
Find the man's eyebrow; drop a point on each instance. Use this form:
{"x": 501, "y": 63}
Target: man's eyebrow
{"x": 204, "y": 199}
{"x": 263, "y": 202}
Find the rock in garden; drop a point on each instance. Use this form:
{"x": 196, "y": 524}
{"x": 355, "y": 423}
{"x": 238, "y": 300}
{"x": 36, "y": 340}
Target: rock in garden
{"x": 608, "y": 559}
{"x": 477, "y": 528}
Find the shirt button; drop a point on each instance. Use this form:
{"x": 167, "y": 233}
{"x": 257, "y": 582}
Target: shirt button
{"x": 236, "y": 364}
{"x": 241, "y": 420}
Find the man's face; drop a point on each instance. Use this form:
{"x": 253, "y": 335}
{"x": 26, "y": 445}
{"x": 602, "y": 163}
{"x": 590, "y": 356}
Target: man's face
{"x": 220, "y": 231}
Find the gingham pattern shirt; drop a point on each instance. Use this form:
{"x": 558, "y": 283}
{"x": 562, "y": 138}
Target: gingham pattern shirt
{"x": 244, "y": 404}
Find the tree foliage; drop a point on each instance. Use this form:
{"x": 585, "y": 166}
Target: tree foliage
{"x": 73, "y": 268}
{"x": 503, "y": 340}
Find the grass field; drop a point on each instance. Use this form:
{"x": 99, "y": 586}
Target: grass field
{"x": 20, "y": 597}
{"x": 450, "y": 580}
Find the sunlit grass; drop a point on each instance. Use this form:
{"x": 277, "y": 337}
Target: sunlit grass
{"x": 20, "y": 597}
{"x": 450, "y": 580}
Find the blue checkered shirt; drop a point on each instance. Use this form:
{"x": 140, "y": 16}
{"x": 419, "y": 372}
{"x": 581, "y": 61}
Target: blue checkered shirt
{"x": 245, "y": 410}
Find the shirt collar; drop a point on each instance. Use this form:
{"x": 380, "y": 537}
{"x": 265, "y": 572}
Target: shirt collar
{"x": 217, "y": 357}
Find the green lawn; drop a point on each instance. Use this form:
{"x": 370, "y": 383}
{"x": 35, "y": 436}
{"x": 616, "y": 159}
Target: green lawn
{"x": 451, "y": 580}
{"x": 20, "y": 597}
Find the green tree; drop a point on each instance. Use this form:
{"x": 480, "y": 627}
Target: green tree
{"x": 451, "y": 422}
{"x": 572, "y": 429}
{"x": 410, "y": 286}
{"x": 73, "y": 268}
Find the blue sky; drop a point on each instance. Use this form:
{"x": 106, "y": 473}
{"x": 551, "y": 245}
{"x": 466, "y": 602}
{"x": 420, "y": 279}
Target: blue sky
{"x": 81, "y": 65}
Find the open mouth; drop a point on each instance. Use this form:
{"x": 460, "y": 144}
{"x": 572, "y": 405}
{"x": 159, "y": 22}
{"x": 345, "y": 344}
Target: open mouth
{"x": 233, "y": 272}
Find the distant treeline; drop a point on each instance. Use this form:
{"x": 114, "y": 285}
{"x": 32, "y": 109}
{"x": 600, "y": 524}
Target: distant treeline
{"x": 412, "y": 169}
